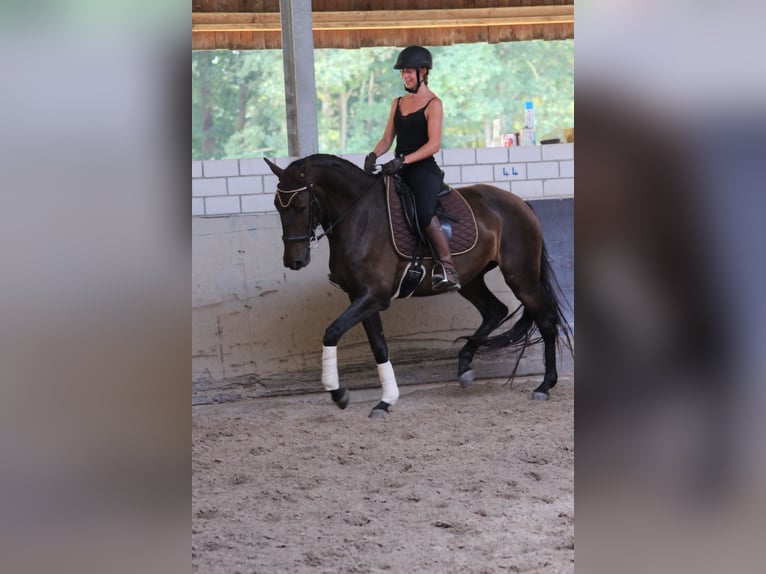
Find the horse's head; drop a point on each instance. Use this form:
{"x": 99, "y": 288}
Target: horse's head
{"x": 299, "y": 212}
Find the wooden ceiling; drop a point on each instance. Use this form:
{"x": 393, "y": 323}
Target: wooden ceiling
{"x": 255, "y": 24}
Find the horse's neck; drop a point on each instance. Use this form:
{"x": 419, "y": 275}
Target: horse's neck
{"x": 347, "y": 204}
{"x": 342, "y": 193}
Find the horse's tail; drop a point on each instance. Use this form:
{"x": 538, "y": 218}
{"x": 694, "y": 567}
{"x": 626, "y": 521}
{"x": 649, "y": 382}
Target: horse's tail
{"x": 555, "y": 299}
{"x": 520, "y": 335}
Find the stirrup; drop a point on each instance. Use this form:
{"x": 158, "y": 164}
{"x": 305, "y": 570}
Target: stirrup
{"x": 444, "y": 278}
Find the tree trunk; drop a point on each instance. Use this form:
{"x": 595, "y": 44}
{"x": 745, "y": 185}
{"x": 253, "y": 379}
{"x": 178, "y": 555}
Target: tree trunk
{"x": 370, "y": 101}
{"x": 343, "y": 102}
{"x": 208, "y": 139}
{"x": 242, "y": 115}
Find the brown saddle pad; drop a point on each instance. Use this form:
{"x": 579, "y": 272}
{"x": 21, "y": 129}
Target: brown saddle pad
{"x": 464, "y": 234}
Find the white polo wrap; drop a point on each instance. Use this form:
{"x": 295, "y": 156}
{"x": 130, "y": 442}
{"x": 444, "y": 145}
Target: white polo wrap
{"x": 388, "y": 382}
{"x": 330, "y": 368}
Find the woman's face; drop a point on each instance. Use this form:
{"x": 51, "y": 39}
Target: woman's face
{"x": 410, "y": 77}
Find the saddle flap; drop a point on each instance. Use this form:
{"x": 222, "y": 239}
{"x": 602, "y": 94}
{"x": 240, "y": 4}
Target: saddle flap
{"x": 409, "y": 209}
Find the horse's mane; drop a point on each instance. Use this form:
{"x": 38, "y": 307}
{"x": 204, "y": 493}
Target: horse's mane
{"x": 327, "y": 160}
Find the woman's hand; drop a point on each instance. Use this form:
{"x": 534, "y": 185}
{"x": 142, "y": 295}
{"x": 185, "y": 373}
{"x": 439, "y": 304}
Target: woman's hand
{"x": 369, "y": 162}
{"x": 392, "y": 166}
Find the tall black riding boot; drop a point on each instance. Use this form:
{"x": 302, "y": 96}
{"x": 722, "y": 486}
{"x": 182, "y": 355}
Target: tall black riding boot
{"x": 444, "y": 276}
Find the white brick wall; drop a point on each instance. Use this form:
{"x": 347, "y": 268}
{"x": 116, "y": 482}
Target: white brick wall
{"x": 492, "y": 155}
{"x": 258, "y": 203}
{"x": 525, "y": 153}
{"x": 476, "y": 173}
{"x": 245, "y": 185}
{"x": 529, "y": 189}
{"x": 458, "y": 157}
{"x": 543, "y": 170}
{"x": 558, "y": 187}
{"x": 451, "y": 174}
{"x": 225, "y": 187}
{"x": 557, "y": 151}
{"x": 510, "y": 171}
{"x": 208, "y": 187}
{"x": 220, "y": 167}
{"x": 221, "y": 205}
{"x": 256, "y": 166}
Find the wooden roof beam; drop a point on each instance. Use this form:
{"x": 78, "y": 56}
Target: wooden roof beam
{"x": 388, "y": 19}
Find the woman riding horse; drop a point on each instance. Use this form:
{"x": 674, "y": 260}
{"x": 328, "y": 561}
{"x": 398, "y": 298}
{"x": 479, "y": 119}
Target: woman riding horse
{"x": 416, "y": 122}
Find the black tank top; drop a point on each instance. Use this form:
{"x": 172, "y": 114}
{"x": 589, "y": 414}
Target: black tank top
{"x": 411, "y": 130}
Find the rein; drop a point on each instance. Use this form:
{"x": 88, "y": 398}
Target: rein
{"x": 314, "y": 220}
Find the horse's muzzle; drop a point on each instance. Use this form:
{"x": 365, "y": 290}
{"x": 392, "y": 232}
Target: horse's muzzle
{"x": 295, "y": 265}
{"x": 296, "y": 256}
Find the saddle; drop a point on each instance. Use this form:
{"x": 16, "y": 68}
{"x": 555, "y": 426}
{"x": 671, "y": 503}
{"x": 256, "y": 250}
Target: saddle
{"x": 453, "y": 211}
{"x": 409, "y": 241}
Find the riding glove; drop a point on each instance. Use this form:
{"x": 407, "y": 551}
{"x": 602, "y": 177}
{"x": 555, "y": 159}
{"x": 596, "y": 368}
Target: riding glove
{"x": 369, "y": 162}
{"x": 393, "y": 166}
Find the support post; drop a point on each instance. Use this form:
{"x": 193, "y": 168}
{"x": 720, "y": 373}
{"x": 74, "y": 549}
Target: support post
{"x": 300, "y": 85}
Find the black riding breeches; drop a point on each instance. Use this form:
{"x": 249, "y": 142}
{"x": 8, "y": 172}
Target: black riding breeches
{"x": 425, "y": 181}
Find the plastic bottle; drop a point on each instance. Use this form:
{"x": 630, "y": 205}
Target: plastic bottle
{"x": 529, "y": 135}
{"x": 508, "y": 138}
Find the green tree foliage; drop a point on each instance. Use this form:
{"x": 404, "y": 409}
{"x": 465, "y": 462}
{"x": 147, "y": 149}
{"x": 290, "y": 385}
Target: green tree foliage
{"x": 238, "y": 107}
{"x": 482, "y": 84}
{"x": 353, "y": 93}
{"x": 238, "y": 104}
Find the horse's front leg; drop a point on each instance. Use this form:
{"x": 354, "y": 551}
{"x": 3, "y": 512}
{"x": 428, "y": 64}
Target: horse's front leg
{"x": 359, "y": 310}
{"x": 374, "y": 329}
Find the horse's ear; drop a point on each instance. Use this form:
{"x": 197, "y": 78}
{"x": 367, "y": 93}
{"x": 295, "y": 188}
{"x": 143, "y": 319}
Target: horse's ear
{"x": 276, "y": 170}
{"x": 306, "y": 169}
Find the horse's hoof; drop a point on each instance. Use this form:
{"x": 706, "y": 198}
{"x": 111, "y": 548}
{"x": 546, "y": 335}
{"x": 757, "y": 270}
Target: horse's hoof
{"x": 380, "y": 410}
{"x": 540, "y": 396}
{"x": 341, "y": 397}
{"x": 466, "y": 378}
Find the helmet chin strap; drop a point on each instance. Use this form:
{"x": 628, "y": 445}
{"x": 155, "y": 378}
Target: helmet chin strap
{"x": 417, "y": 86}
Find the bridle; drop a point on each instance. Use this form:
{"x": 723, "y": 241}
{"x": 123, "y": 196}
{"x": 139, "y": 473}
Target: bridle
{"x": 285, "y": 198}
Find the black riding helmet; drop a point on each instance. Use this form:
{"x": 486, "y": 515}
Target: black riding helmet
{"x": 414, "y": 57}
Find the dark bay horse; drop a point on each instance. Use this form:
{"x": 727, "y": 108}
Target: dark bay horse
{"x": 351, "y": 207}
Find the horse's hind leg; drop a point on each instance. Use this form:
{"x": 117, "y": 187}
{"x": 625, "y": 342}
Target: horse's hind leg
{"x": 373, "y": 326}
{"x": 492, "y": 313}
{"x": 539, "y": 310}
{"x": 531, "y": 286}
{"x": 547, "y": 324}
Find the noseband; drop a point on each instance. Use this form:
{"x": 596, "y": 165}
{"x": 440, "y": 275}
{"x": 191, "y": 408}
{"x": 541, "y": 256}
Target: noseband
{"x": 285, "y": 198}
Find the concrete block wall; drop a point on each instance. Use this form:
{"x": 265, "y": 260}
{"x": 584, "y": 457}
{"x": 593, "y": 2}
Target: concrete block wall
{"x": 232, "y": 186}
